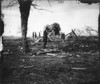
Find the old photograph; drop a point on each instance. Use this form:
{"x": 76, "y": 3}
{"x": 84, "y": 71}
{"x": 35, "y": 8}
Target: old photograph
{"x": 49, "y": 42}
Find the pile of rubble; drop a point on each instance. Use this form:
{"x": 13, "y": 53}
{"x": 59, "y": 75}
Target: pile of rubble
{"x": 81, "y": 43}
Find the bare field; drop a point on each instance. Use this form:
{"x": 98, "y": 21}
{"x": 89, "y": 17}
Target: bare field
{"x": 53, "y": 65}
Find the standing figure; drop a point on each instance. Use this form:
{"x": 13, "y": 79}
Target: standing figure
{"x": 1, "y": 38}
{"x": 33, "y": 35}
{"x": 63, "y": 37}
{"x": 45, "y": 36}
{"x": 39, "y": 34}
{"x": 1, "y": 26}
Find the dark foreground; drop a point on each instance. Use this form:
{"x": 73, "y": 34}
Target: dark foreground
{"x": 48, "y": 66}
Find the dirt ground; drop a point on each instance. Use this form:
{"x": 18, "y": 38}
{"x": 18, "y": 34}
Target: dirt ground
{"x": 47, "y": 66}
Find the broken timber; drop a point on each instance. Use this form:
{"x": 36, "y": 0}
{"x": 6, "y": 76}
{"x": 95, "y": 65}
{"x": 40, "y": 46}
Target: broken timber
{"x": 36, "y": 41}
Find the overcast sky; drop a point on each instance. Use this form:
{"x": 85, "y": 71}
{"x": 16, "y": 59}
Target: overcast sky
{"x": 70, "y": 15}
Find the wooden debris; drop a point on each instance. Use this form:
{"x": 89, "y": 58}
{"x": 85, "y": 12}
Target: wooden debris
{"x": 78, "y": 68}
{"x": 36, "y": 41}
{"x": 51, "y": 54}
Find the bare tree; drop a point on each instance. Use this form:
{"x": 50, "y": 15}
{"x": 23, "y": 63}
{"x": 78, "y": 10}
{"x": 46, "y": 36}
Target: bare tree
{"x": 24, "y": 7}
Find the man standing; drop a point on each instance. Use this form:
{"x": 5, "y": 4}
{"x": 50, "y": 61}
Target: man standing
{"x": 45, "y": 36}
{"x": 33, "y": 35}
{"x": 63, "y": 37}
{"x": 1, "y": 38}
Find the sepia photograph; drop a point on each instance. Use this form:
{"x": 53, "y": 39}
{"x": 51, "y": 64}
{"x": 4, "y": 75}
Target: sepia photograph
{"x": 49, "y": 42}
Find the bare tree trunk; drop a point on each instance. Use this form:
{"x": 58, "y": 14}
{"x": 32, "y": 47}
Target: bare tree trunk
{"x": 24, "y": 21}
{"x": 24, "y": 11}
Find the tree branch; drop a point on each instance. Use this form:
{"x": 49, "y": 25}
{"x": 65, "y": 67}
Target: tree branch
{"x": 35, "y": 7}
{"x": 91, "y": 29}
{"x": 12, "y": 3}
